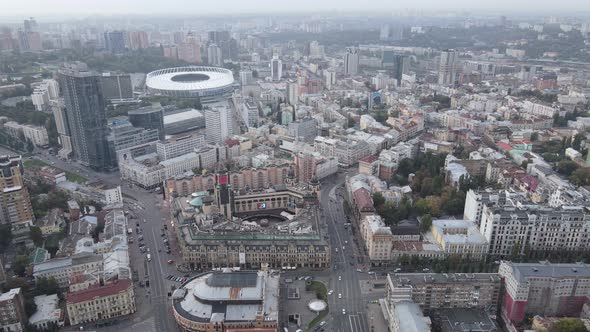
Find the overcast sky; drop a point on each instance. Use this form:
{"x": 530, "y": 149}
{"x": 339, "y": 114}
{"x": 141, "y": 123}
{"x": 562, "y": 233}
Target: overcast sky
{"x": 196, "y": 7}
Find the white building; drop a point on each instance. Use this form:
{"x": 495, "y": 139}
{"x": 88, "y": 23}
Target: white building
{"x": 113, "y": 196}
{"x": 36, "y": 134}
{"x": 43, "y": 93}
{"x": 246, "y": 77}
{"x": 214, "y": 55}
{"x": 48, "y": 312}
{"x": 250, "y": 113}
{"x": 218, "y": 124}
{"x": 276, "y": 68}
{"x": 179, "y": 145}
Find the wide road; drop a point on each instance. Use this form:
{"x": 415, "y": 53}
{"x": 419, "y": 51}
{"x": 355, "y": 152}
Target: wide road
{"x": 345, "y": 280}
{"x": 151, "y": 212}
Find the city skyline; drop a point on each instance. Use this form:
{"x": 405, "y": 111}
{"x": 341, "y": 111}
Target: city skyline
{"x": 151, "y": 7}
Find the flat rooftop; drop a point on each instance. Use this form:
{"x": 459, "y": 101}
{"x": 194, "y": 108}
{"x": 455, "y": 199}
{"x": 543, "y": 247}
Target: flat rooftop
{"x": 408, "y": 279}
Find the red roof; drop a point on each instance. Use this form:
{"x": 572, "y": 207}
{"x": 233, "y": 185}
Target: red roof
{"x": 369, "y": 159}
{"x": 504, "y": 146}
{"x": 98, "y": 292}
{"x": 231, "y": 142}
{"x": 363, "y": 199}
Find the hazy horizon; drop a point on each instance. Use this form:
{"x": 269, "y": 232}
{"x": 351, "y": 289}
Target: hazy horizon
{"x": 65, "y": 8}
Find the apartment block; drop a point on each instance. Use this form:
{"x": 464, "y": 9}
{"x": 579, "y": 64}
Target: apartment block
{"x": 438, "y": 291}
{"x": 544, "y": 289}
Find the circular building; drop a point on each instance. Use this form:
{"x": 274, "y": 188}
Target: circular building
{"x": 228, "y": 301}
{"x": 210, "y": 84}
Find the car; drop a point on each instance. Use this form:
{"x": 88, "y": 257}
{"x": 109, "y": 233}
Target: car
{"x": 359, "y": 270}
{"x": 339, "y": 296}
{"x": 322, "y": 323}
{"x": 425, "y": 270}
{"x": 345, "y": 242}
{"x": 331, "y": 292}
{"x": 168, "y": 251}
{"x": 343, "y": 311}
{"x": 163, "y": 234}
{"x": 343, "y": 248}
{"x": 397, "y": 270}
{"x": 339, "y": 278}
{"x": 165, "y": 240}
{"x": 170, "y": 261}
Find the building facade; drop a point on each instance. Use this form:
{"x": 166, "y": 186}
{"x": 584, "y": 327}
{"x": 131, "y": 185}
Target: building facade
{"x": 86, "y": 114}
{"x": 15, "y": 204}
{"x": 101, "y": 303}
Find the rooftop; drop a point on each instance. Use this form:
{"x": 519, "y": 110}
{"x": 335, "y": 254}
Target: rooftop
{"x": 409, "y": 279}
{"x": 523, "y": 271}
{"x": 182, "y": 116}
{"x": 410, "y": 317}
{"x": 116, "y": 287}
{"x": 47, "y": 309}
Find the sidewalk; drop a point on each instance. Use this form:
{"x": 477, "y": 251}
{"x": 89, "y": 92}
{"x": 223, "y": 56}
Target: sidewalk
{"x": 375, "y": 319}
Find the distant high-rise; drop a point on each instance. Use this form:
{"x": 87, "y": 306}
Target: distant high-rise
{"x": 276, "y": 68}
{"x": 400, "y": 66}
{"x": 190, "y": 50}
{"x": 15, "y": 205}
{"x": 115, "y": 42}
{"x": 31, "y": 25}
{"x": 246, "y": 77}
{"x": 138, "y": 40}
{"x": 447, "y": 70}
{"x": 351, "y": 62}
{"x": 214, "y": 55}
{"x": 86, "y": 114}
{"x": 218, "y": 124}
{"x": 116, "y": 86}
{"x": 6, "y": 40}
{"x": 148, "y": 117}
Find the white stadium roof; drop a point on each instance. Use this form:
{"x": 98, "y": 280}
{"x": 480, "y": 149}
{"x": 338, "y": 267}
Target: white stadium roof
{"x": 190, "y": 80}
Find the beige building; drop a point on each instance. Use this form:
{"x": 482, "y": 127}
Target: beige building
{"x": 378, "y": 239}
{"x": 63, "y": 269}
{"x": 12, "y": 311}
{"x": 459, "y": 237}
{"x": 439, "y": 291}
{"x": 15, "y": 205}
{"x": 101, "y": 303}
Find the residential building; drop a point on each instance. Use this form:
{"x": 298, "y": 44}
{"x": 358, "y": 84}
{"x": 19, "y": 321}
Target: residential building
{"x": 378, "y": 239}
{"x": 179, "y": 145}
{"x": 43, "y": 93}
{"x": 113, "y": 195}
{"x": 348, "y": 153}
{"x": 86, "y": 114}
{"x": 515, "y": 229}
{"x": 433, "y": 291}
{"x": 124, "y": 136}
{"x": 190, "y": 50}
{"x": 544, "y": 288}
{"x": 313, "y": 165}
{"x": 250, "y": 113}
{"x": 138, "y": 40}
{"x": 246, "y": 77}
{"x": 351, "y": 62}
{"x": 406, "y": 316}
{"x": 276, "y": 68}
{"x": 97, "y": 304}
{"x": 214, "y": 56}
{"x": 218, "y": 124}
{"x": 63, "y": 129}
{"x": 12, "y": 311}
{"x": 36, "y": 134}
{"x": 447, "y": 70}
{"x": 303, "y": 130}
{"x": 254, "y": 307}
{"x": 116, "y": 87}
{"x": 459, "y": 237}
{"x": 15, "y": 204}
{"x": 115, "y": 42}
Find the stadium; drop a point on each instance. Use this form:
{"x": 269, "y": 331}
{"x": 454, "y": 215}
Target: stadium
{"x": 210, "y": 84}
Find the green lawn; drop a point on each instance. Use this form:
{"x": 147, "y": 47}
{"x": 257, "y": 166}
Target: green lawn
{"x": 34, "y": 163}
{"x": 321, "y": 293}
{"x": 73, "y": 177}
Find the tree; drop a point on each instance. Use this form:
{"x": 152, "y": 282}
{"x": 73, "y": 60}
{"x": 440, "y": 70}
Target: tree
{"x": 19, "y": 265}
{"x": 30, "y": 306}
{"x": 30, "y": 146}
{"x": 534, "y": 137}
{"x": 425, "y": 223}
{"x": 36, "y": 235}
{"x": 46, "y": 286}
{"x": 378, "y": 199}
{"x": 569, "y": 325}
{"x": 566, "y": 167}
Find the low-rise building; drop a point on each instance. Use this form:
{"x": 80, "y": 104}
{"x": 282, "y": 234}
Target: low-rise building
{"x": 62, "y": 269}
{"x": 459, "y": 237}
{"x": 230, "y": 301}
{"x": 48, "y": 314}
{"x": 51, "y": 175}
{"x": 51, "y": 223}
{"x": 101, "y": 303}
